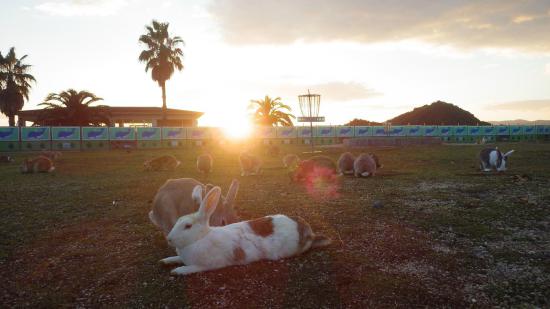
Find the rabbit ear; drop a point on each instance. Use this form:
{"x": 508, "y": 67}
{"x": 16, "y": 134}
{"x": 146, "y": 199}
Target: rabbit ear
{"x": 197, "y": 194}
{"x": 209, "y": 204}
{"x": 232, "y": 193}
{"x": 508, "y": 153}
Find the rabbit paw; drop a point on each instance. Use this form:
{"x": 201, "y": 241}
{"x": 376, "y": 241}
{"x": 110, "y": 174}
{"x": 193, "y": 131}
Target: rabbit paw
{"x": 171, "y": 260}
{"x": 185, "y": 270}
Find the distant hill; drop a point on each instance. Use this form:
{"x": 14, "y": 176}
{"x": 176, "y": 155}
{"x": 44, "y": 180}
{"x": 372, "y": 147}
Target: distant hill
{"x": 437, "y": 113}
{"x": 520, "y": 122}
{"x": 362, "y": 122}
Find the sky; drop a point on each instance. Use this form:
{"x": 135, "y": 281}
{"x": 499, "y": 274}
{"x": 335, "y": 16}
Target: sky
{"x": 366, "y": 58}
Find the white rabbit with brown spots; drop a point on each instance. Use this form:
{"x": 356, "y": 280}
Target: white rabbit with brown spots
{"x": 39, "y": 164}
{"x": 202, "y": 248}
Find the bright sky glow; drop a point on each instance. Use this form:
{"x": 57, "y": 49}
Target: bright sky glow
{"x": 373, "y": 74}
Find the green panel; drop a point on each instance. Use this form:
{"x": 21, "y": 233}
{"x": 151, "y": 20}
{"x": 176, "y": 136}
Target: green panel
{"x": 541, "y": 130}
{"x": 489, "y": 130}
{"x": 9, "y": 134}
{"x": 445, "y": 130}
{"x": 474, "y": 130}
{"x": 198, "y": 133}
{"x": 304, "y": 132}
{"x": 516, "y": 130}
{"x": 287, "y": 132}
{"x": 344, "y": 131}
{"x": 503, "y": 130}
{"x": 66, "y": 145}
{"x": 431, "y": 131}
{"x": 378, "y": 131}
{"x": 95, "y": 133}
{"x": 397, "y": 131}
{"x": 325, "y": 131}
{"x": 122, "y": 134}
{"x": 9, "y": 146}
{"x": 529, "y": 130}
{"x": 65, "y": 133}
{"x": 414, "y": 130}
{"x": 362, "y": 131}
{"x": 460, "y": 130}
{"x": 148, "y": 134}
{"x": 35, "y": 146}
{"x": 35, "y": 133}
{"x": 174, "y": 133}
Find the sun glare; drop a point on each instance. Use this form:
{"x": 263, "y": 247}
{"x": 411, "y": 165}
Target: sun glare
{"x": 238, "y": 130}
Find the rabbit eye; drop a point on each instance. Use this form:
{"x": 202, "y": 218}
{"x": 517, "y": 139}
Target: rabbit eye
{"x": 187, "y": 226}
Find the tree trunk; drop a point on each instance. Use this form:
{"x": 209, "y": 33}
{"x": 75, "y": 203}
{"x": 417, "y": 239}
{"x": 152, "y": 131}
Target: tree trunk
{"x": 163, "y": 100}
{"x": 11, "y": 120}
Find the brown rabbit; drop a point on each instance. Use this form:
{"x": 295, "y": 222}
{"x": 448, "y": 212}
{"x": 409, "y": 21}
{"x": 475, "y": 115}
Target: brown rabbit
{"x": 250, "y": 164}
{"x": 161, "y": 163}
{"x": 39, "y": 164}
{"x": 307, "y": 168}
{"x": 204, "y": 164}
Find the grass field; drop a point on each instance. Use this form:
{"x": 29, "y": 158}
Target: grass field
{"x": 446, "y": 236}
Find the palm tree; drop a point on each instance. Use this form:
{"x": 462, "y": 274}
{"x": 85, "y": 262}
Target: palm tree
{"x": 14, "y": 84}
{"x": 162, "y": 55}
{"x": 269, "y": 112}
{"x": 72, "y": 108}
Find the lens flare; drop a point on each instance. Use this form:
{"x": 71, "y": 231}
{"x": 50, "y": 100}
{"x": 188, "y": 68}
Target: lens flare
{"x": 322, "y": 183}
{"x": 237, "y": 130}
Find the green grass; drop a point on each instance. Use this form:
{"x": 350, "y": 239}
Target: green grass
{"x": 447, "y": 236}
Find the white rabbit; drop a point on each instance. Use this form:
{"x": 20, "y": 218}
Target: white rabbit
{"x": 365, "y": 165}
{"x": 250, "y": 164}
{"x": 179, "y": 197}
{"x": 345, "y": 163}
{"x": 201, "y": 247}
{"x": 492, "y": 158}
{"x": 290, "y": 160}
{"x": 204, "y": 164}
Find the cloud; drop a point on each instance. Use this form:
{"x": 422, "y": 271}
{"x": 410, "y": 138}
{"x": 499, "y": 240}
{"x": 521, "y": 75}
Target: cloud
{"x": 509, "y": 24}
{"x": 527, "y": 105}
{"x": 82, "y": 7}
{"x": 547, "y": 69}
{"x": 331, "y": 91}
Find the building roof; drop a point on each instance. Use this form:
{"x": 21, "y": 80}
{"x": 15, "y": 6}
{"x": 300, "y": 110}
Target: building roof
{"x": 133, "y": 110}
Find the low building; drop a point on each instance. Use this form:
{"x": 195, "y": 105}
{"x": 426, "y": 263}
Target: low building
{"x": 122, "y": 115}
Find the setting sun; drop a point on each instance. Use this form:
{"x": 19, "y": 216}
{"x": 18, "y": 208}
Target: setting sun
{"x": 237, "y": 129}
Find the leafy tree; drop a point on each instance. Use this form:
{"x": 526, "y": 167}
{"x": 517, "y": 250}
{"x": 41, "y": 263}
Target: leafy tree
{"x": 15, "y": 84}
{"x": 361, "y": 122}
{"x": 271, "y": 112}
{"x": 162, "y": 56}
{"x": 72, "y": 108}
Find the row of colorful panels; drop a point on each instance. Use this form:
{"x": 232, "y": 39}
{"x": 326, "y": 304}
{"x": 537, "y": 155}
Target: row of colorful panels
{"x": 167, "y": 133}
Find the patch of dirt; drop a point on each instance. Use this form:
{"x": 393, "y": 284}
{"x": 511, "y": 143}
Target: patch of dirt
{"x": 86, "y": 264}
